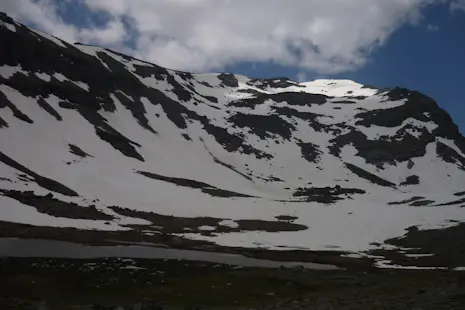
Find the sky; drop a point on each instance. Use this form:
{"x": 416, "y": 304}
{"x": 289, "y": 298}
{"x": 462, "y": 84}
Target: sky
{"x": 416, "y": 44}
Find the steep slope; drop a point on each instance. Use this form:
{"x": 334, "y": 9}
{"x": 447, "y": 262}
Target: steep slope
{"x": 93, "y": 139}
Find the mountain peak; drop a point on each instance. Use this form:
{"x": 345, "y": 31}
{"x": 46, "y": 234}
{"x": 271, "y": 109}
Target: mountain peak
{"x": 119, "y": 142}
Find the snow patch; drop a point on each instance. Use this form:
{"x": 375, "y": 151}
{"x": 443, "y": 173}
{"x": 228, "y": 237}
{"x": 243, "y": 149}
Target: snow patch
{"x": 8, "y": 26}
{"x": 43, "y": 76}
{"x": 9, "y": 71}
{"x": 229, "y": 223}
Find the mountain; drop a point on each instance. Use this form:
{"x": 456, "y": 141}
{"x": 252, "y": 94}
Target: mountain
{"x": 97, "y": 145}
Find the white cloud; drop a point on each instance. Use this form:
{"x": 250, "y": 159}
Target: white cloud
{"x": 457, "y": 5}
{"x": 301, "y": 77}
{"x": 113, "y": 33}
{"x": 44, "y": 15}
{"x": 328, "y": 36}
{"x": 432, "y": 28}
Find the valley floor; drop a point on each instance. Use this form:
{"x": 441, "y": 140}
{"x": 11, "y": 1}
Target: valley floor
{"x": 65, "y": 284}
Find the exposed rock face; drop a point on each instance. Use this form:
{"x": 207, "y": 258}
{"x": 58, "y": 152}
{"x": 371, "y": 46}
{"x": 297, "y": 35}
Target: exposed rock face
{"x": 97, "y": 129}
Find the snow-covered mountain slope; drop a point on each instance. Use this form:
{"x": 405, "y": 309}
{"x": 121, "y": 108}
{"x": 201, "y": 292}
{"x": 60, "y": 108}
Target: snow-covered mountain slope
{"x": 329, "y": 164}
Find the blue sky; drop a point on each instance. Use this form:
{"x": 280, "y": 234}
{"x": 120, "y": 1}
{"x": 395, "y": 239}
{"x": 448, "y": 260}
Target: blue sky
{"x": 431, "y": 61}
{"x": 417, "y": 44}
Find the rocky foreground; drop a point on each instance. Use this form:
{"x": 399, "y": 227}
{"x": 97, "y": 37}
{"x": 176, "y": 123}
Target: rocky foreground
{"x": 160, "y": 284}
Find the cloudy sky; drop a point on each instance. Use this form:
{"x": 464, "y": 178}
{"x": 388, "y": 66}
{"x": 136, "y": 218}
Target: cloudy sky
{"x": 418, "y": 44}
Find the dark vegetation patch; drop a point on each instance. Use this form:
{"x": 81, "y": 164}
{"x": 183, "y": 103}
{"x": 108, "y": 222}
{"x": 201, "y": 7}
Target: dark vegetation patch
{"x": 264, "y": 126}
{"x": 269, "y": 226}
{"x": 179, "y": 90}
{"x": 228, "y": 79}
{"x": 369, "y": 176}
{"x": 5, "y": 103}
{"x": 406, "y": 201}
{"x": 205, "y": 84}
{"x": 137, "y": 110}
{"x": 280, "y": 82}
{"x": 230, "y": 167}
{"x": 74, "y": 149}
{"x": 44, "y": 182}
{"x": 401, "y": 147}
{"x": 288, "y": 218}
{"x": 78, "y": 66}
{"x": 186, "y": 136}
{"x": 96, "y": 237}
{"x": 154, "y": 71}
{"x": 56, "y": 59}
{"x": 460, "y": 194}
{"x": 234, "y": 142}
{"x": 163, "y": 285}
{"x": 325, "y": 194}
{"x": 49, "y": 109}
{"x": 49, "y": 205}
{"x": 211, "y": 99}
{"x": 415, "y": 107}
{"x": 449, "y": 155}
{"x": 120, "y": 143}
{"x": 272, "y": 178}
{"x": 216, "y": 160}
{"x": 421, "y": 203}
{"x": 355, "y": 97}
{"x": 3, "y": 123}
{"x": 411, "y": 180}
{"x": 168, "y": 223}
{"x": 172, "y": 224}
{"x": 453, "y": 203}
{"x": 344, "y": 102}
{"x": 447, "y": 245}
{"x": 310, "y": 118}
{"x": 204, "y": 187}
{"x": 66, "y": 105}
{"x": 297, "y": 99}
{"x": 311, "y": 152}
{"x": 300, "y": 99}
{"x": 138, "y": 234}
{"x": 208, "y": 98}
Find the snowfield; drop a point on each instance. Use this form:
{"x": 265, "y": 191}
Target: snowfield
{"x": 259, "y": 141}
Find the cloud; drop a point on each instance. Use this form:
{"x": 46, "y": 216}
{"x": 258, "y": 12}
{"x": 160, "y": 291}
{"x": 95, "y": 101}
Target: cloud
{"x": 326, "y": 37}
{"x": 45, "y": 15}
{"x": 457, "y": 5}
{"x": 42, "y": 13}
{"x": 301, "y": 77}
{"x": 113, "y": 33}
{"x": 432, "y": 28}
